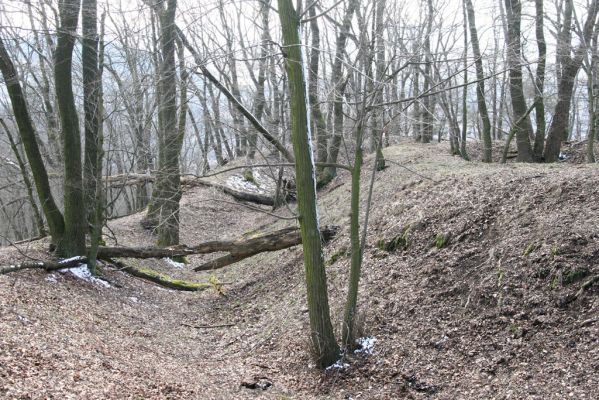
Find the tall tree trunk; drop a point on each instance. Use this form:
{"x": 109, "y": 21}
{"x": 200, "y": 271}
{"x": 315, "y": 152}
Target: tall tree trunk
{"x": 318, "y": 122}
{"x": 377, "y": 116}
{"x": 593, "y": 90}
{"x": 29, "y": 139}
{"x": 259, "y": 98}
{"x": 480, "y": 86}
{"x": 559, "y": 124}
{"x": 73, "y": 242}
{"x": 426, "y": 116}
{"x": 339, "y": 84}
{"x": 540, "y": 82}
{"x": 91, "y": 90}
{"x": 167, "y": 191}
{"x": 524, "y": 129}
{"x": 463, "y": 150}
{"x": 321, "y": 329}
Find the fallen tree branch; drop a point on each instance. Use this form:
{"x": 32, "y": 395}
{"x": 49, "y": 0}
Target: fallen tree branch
{"x": 160, "y": 279}
{"x": 269, "y": 243}
{"x": 273, "y": 241}
{"x": 190, "y": 181}
{"x": 207, "y": 326}
{"x": 48, "y": 265}
{"x": 237, "y": 249}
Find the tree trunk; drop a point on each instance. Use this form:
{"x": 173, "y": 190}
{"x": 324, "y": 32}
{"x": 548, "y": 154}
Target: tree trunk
{"x": 39, "y": 221}
{"x": 73, "y": 242}
{"x": 318, "y": 122}
{"x": 524, "y": 129}
{"x": 324, "y": 344}
{"x": 339, "y": 84}
{"x": 540, "y": 83}
{"x": 167, "y": 191}
{"x": 480, "y": 86}
{"x": 426, "y": 116}
{"x": 559, "y": 124}
{"x": 377, "y": 117}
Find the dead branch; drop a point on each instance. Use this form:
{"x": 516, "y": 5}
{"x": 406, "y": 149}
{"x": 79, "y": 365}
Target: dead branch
{"x": 267, "y": 243}
{"x": 190, "y": 181}
{"x": 48, "y": 265}
{"x": 273, "y": 241}
{"x": 160, "y": 279}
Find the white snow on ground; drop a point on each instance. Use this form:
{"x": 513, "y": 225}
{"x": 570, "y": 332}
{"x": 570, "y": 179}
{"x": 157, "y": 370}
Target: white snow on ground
{"x": 174, "y": 263}
{"x": 82, "y": 272}
{"x": 66, "y": 260}
{"x": 238, "y": 183}
{"x": 338, "y": 366}
{"x": 366, "y": 345}
{"x": 51, "y": 278}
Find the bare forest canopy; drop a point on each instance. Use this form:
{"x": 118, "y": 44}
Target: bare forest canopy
{"x": 439, "y": 70}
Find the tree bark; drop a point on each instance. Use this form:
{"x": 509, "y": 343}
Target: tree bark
{"x": 480, "y": 86}
{"x": 325, "y": 346}
{"x": 524, "y": 129}
{"x": 339, "y": 84}
{"x": 73, "y": 242}
{"x": 277, "y": 240}
{"x": 559, "y": 124}
{"x": 540, "y": 82}
{"x": 167, "y": 191}
{"x": 37, "y": 216}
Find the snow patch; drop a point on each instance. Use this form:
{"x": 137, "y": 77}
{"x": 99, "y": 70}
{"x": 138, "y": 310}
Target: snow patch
{"x": 338, "y": 366}
{"x": 134, "y": 299}
{"x": 174, "y": 263}
{"x": 67, "y": 260}
{"x": 366, "y": 345}
{"x": 82, "y": 272}
{"x": 51, "y": 278}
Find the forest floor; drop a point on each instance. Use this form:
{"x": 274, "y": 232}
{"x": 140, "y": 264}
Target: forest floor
{"x": 476, "y": 302}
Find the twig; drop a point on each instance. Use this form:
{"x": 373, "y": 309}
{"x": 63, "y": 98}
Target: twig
{"x": 207, "y": 326}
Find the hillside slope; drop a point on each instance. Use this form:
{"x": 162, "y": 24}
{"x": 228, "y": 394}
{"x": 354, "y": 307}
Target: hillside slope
{"x": 475, "y": 301}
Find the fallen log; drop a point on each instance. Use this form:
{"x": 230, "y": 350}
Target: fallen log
{"x": 160, "y": 279}
{"x": 278, "y": 240}
{"x": 48, "y": 265}
{"x": 116, "y": 181}
{"x": 146, "y": 274}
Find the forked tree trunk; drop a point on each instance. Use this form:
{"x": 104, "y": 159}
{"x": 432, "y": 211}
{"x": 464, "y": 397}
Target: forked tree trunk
{"x": 559, "y": 124}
